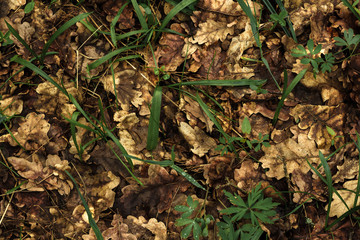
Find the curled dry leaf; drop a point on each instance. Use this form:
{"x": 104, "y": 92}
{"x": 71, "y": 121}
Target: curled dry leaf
{"x": 32, "y": 133}
{"x": 52, "y": 101}
{"x": 197, "y": 138}
{"x": 11, "y": 106}
{"x": 316, "y": 118}
{"x": 194, "y": 112}
{"x": 158, "y": 229}
{"x": 118, "y": 231}
{"x": 338, "y": 208}
{"x": 127, "y": 82}
{"x": 248, "y": 175}
{"x": 217, "y": 169}
{"x": 41, "y": 173}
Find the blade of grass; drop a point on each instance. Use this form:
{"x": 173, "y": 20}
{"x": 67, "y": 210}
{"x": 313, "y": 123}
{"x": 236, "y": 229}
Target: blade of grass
{"x": 347, "y": 4}
{"x": 286, "y": 92}
{"x": 288, "y": 21}
{"x": 110, "y": 55}
{"x": 180, "y": 6}
{"x": 37, "y": 70}
{"x": 91, "y": 219}
{"x": 16, "y": 34}
{"x": 154, "y": 122}
{"x": 231, "y": 83}
{"x": 113, "y": 24}
{"x": 62, "y": 29}
{"x": 129, "y": 34}
{"x": 139, "y": 15}
{"x": 357, "y": 144}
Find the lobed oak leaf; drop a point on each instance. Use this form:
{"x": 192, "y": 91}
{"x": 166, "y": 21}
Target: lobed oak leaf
{"x": 126, "y": 83}
{"x": 211, "y": 31}
{"x": 338, "y": 208}
{"x": 196, "y": 137}
{"x": 11, "y": 106}
{"x": 316, "y": 118}
{"x": 31, "y": 134}
{"x": 228, "y": 7}
{"x": 50, "y": 173}
{"x": 156, "y": 228}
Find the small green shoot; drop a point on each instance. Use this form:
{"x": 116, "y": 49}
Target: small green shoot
{"x": 198, "y": 226}
{"x": 350, "y": 40}
{"x": 257, "y": 209}
{"x": 309, "y": 56}
{"x": 5, "y": 39}
{"x": 279, "y": 18}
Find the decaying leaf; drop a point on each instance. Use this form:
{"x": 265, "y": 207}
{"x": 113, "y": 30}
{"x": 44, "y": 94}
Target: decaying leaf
{"x": 43, "y": 173}
{"x": 11, "y": 106}
{"x": 211, "y": 31}
{"x": 316, "y": 118}
{"x": 194, "y": 112}
{"x": 127, "y": 82}
{"x": 156, "y": 228}
{"x": 196, "y": 137}
{"x": 31, "y": 134}
{"x": 337, "y": 206}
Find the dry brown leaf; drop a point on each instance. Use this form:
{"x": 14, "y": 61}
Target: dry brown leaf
{"x": 196, "y": 137}
{"x": 11, "y": 106}
{"x": 156, "y": 196}
{"x": 43, "y": 173}
{"x": 211, "y": 31}
{"x": 156, "y": 228}
{"x": 316, "y": 118}
{"x": 127, "y": 82}
{"x": 169, "y": 51}
{"x": 32, "y": 133}
{"x": 53, "y": 101}
{"x": 240, "y": 43}
{"x": 118, "y": 231}
{"x": 248, "y": 175}
{"x": 289, "y": 155}
{"x": 194, "y": 112}
{"x": 338, "y": 208}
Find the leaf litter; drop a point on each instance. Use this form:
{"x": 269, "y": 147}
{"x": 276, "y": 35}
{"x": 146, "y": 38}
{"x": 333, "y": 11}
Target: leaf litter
{"x": 215, "y": 41}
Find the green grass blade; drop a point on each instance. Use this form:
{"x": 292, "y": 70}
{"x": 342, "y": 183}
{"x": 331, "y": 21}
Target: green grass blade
{"x": 61, "y": 30}
{"x": 286, "y": 92}
{"x": 14, "y": 188}
{"x": 357, "y": 144}
{"x": 129, "y": 34}
{"x": 91, "y": 219}
{"x": 207, "y": 111}
{"x": 154, "y": 122}
{"x": 109, "y": 56}
{"x": 16, "y": 34}
{"x": 113, "y": 24}
{"x": 73, "y": 133}
{"x": 239, "y": 82}
{"x": 288, "y": 21}
{"x": 183, "y": 4}
{"x": 347, "y": 4}
{"x": 188, "y": 10}
{"x": 269, "y": 70}
{"x": 253, "y": 22}
{"x": 139, "y": 15}
{"x": 187, "y": 176}
{"x": 37, "y": 70}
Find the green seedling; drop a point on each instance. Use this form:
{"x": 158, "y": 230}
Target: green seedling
{"x": 5, "y": 39}
{"x": 257, "y": 209}
{"x": 198, "y": 226}
{"x": 350, "y": 40}
{"x": 279, "y": 18}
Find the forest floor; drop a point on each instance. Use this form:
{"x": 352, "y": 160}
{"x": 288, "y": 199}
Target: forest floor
{"x": 213, "y": 119}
